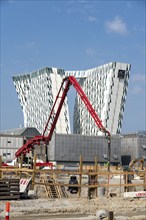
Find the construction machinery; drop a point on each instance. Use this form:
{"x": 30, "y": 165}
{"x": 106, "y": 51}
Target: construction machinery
{"x": 139, "y": 172}
{"x": 53, "y": 117}
{"x": 131, "y": 168}
{"x": 136, "y": 161}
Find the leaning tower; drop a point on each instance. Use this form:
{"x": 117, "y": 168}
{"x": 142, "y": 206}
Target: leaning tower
{"x": 106, "y": 88}
{"x": 37, "y": 92}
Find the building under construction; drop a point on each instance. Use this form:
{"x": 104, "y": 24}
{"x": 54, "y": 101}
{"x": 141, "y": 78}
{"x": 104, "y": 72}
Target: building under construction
{"x": 66, "y": 149}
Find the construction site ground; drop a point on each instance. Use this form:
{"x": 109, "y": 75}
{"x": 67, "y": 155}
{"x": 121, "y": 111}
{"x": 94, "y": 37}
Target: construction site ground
{"x": 76, "y": 208}
{"x": 39, "y": 207}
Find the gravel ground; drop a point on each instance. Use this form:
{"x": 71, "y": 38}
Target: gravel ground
{"x": 76, "y": 208}
{"x": 42, "y": 207}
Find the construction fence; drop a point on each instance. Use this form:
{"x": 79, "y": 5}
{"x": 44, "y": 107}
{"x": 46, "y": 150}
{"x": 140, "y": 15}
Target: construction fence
{"x": 97, "y": 181}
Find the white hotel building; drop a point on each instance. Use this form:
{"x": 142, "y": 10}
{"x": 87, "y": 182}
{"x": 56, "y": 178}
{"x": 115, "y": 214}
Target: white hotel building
{"x": 105, "y": 86}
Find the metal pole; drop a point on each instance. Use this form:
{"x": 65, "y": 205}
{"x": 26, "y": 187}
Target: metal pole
{"x": 21, "y": 164}
{"x": 80, "y": 176}
{"x": 0, "y": 166}
{"x": 96, "y": 175}
{"x": 109, "y": 152}
{"x": 110, "y": 215}
{"x": 46, "y": 153}
{"x": 33, "y": 174}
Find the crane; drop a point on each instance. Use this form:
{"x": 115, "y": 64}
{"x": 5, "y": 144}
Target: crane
{"x": 62, "y": 93}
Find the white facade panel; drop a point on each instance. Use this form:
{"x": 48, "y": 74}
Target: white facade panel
{"x": 105, "y": 86}
{"x": 37, "y": 92}
{"x": 9, "y": 145}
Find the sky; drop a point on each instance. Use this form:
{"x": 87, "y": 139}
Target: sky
{"x": 73, "y": 35}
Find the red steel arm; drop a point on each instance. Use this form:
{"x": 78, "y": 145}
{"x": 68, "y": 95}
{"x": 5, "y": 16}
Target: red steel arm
{"x": 68, "y": 83}
{"x": 63, "y": 89}
{"x": 88, "y": 105}
{"x": 36, "y": 140}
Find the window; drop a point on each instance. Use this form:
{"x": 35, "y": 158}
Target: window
{"x": 115, "y": 157}
{"x": 121, "y": 74}
{"x": 144, "y": 147}
{"x": 105, "y": 156}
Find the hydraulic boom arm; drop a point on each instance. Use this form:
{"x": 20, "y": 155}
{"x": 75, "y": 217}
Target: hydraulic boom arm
{"x": 66, "y": 83}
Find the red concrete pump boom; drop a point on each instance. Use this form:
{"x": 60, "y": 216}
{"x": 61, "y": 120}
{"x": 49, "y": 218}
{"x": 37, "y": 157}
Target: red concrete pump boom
{"x": 66, "y": 83}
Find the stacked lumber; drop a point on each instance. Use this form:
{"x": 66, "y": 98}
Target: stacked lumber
{"x": 9, "y": 189}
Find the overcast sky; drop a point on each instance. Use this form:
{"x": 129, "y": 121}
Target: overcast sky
{"x": 73, "y": 35}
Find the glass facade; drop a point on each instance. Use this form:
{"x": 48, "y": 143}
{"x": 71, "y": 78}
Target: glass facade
{"x": 37, "y": 92}
{"x": 105, "y": 86}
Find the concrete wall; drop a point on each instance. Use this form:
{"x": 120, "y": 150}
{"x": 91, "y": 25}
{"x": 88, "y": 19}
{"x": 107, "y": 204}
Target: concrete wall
{"x": 134, "y": 145}
{"x": 68, "y": 148}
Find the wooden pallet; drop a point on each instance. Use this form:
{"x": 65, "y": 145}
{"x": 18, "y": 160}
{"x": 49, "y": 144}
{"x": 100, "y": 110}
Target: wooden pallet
{"x": 9, "y": 189}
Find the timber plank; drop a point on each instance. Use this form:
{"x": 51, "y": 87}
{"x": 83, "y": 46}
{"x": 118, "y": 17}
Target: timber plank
{"x": 9, "y": 189}
{"x": 9, "y": 197}
{"x": 8, "y": 193}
